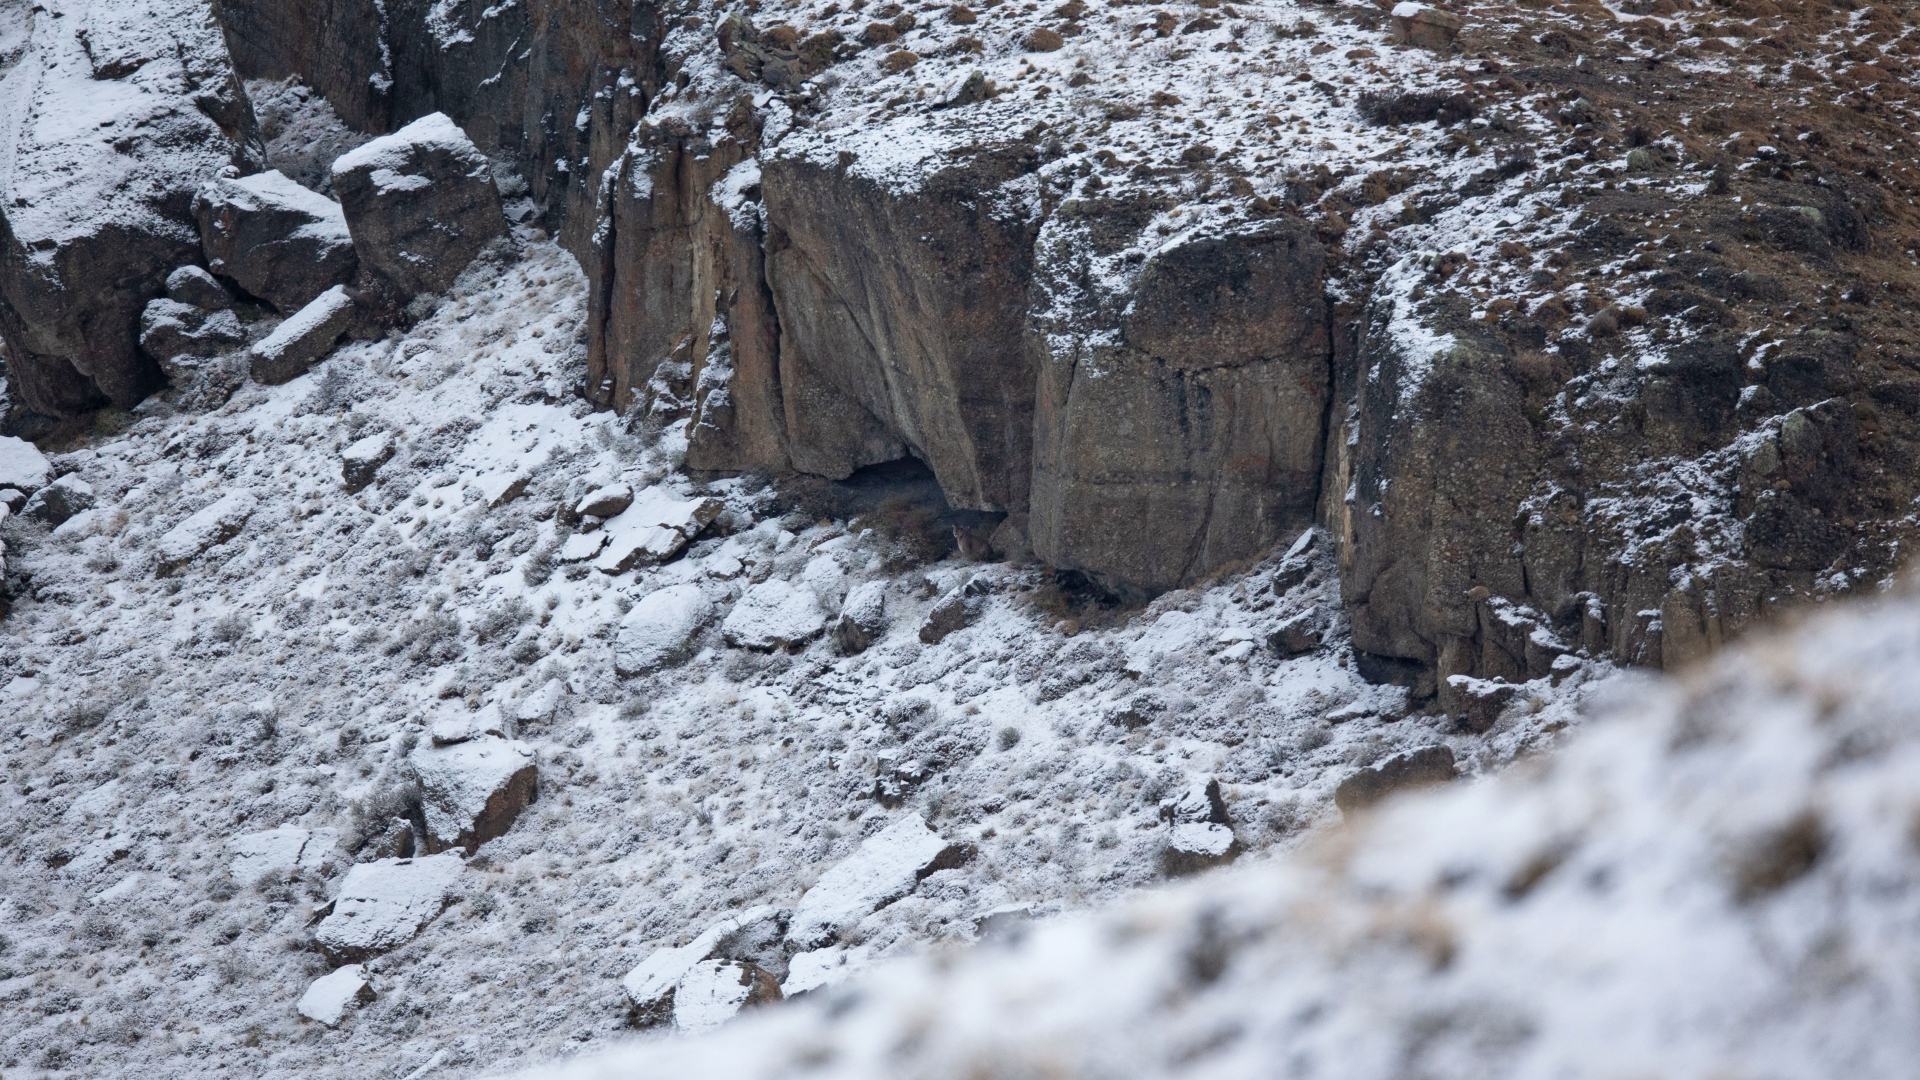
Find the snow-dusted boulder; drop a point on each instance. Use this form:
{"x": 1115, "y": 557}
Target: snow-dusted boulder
{"x": 473, "y": 791}
{"x": 774, "y": 614}
{"x": 885, "y": 867}
{"x": 712, "y": 991}
{"x": 383, "y": 904}
{"x": 862, "y": 619}
{"x": 819, "y": 968}
{"x": 22, "y": 466}
{"x": 1401, "y": 772}
{"x": 279, "y": 852}
{"x": 360, "y": 462}
{"x": 420, "y": 204}
{"x": 328, "y": 997}
{"x": 655, "y": 528}
{"x": 457, "y": 725}
{"x": 605, "y": 502}
{"x": 206, "y": 528}
{"x": 752, "y": 936}
{"x": 277, "y": 240}
{"x": 305, "y": 337}
{"x": 60, "y": 500}
{"x": 170, "y": 330}
{"x": 660, "y": 629}
{"x": 194, "y": 285}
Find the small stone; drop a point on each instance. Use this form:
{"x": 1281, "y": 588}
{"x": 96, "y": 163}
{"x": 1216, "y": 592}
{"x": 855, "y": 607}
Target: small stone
{"x": 1402, "y": 772}
{"x": 328, "y": 996}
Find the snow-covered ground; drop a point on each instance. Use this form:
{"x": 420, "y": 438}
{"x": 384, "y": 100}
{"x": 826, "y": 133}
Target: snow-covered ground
{"x": 213, "y": 680}
{"x": 1718, "y": 879}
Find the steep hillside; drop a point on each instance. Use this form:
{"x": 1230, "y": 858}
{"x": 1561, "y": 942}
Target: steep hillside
{"x": 1716, "y": 880}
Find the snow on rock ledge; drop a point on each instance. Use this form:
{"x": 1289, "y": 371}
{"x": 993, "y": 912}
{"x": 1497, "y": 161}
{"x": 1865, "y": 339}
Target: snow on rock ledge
{"x": 383, "y": 904}
{"x": 885, "y": 867}
{"x": 774, "y": 614}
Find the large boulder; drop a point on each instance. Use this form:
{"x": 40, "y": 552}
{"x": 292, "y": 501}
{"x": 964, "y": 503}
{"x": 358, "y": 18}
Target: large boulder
{"x": 775, "y": 614}
{"x": 204, "y": 529}
{"x": 170, "y": 330}
{"x": 304, "y": 338}
{"x": 420, "y": 204}
{"x": 328, "y": 997}
{"x": 115, "y": 110}
{"x": 660, "y": 629}
{"x": 22, "y": 466}
{"x": 473, "y": 790}
{"x": 751, "y": 937}
{"x": 885, "y": 867}
{"x": 385, "y": 903}
{"x": 273, "y": 238}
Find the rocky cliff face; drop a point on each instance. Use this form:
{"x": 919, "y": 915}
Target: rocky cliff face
{"x": 1533, "y": 341}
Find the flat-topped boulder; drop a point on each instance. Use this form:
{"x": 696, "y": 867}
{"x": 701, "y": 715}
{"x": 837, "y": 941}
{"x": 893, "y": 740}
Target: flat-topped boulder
{"x": 204, "y": 529}
{"x": 472, "y": 791}
{"x": 278, "y": 852}
{"x": 885, "y": 867}
{"x": 655, "y": 528}
{"x": 22, "y": 466}
{"x": 774, "y": 614}
{"x": 383, "y": 904}
{"x": 303, "y": 339}
{"x": 751, "y": 937}
{"x": 420, "y": 204}
{"x": 276, "y": 240}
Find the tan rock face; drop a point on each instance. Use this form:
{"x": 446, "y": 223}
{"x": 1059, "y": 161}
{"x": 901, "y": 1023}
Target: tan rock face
{"x": 1195, "y": 442}
{"x": 911, "y": 306}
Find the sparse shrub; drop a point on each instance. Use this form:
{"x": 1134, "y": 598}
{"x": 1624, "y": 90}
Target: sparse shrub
{"x": 1008, "y": 738}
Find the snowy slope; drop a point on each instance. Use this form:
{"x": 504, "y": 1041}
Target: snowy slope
{"x": 277, "y": 677}
{"x": 1719, "y": 879}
